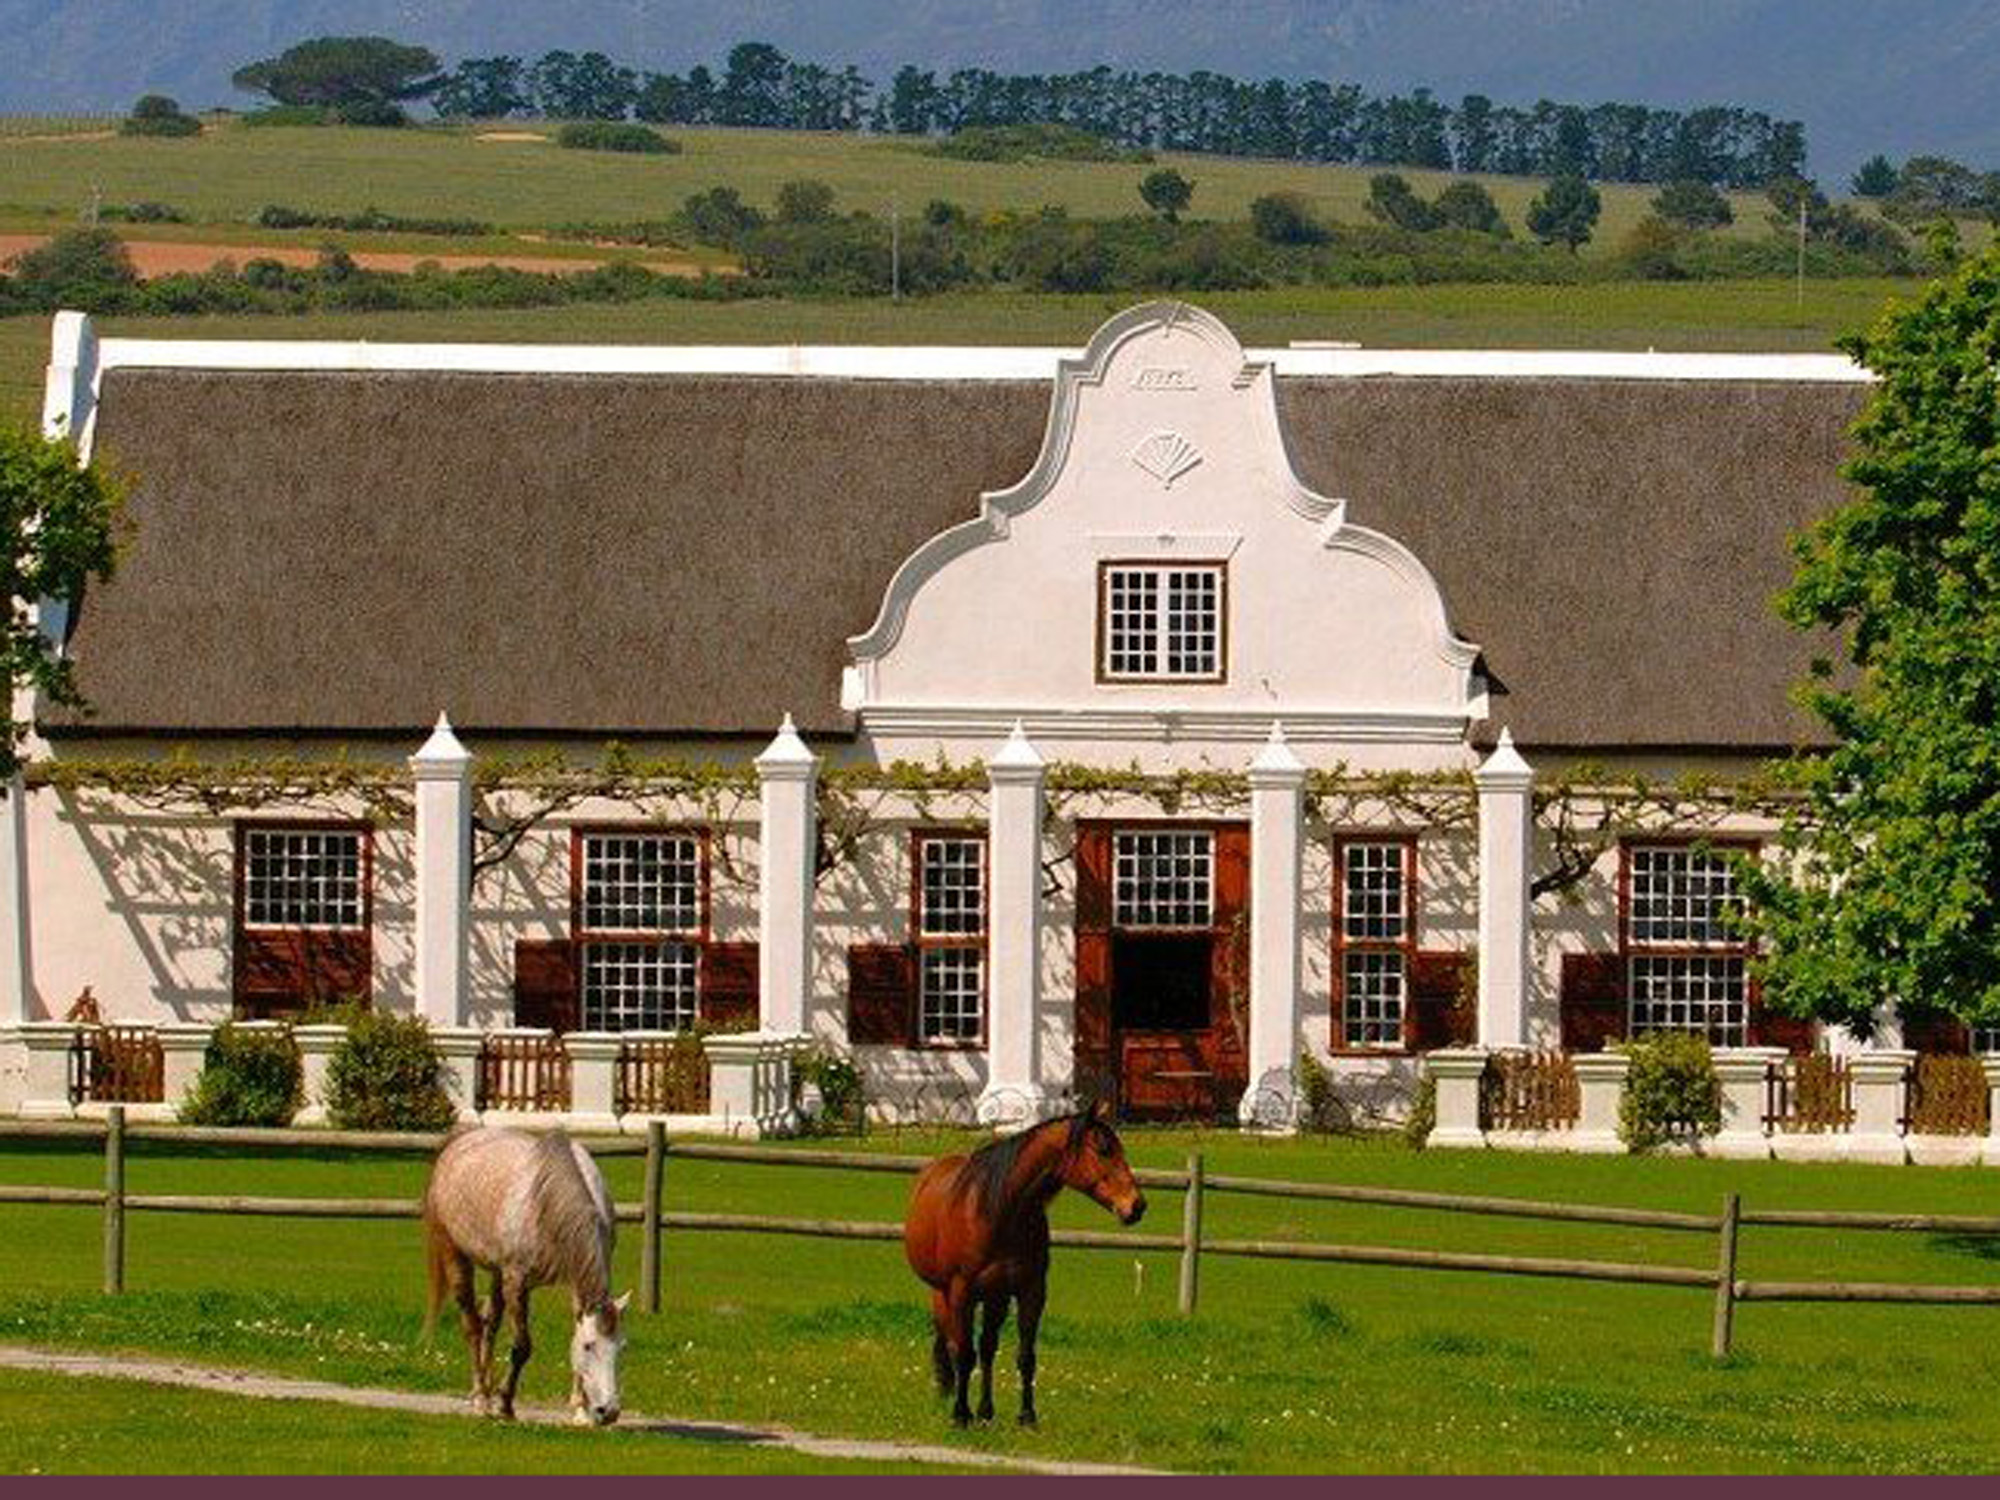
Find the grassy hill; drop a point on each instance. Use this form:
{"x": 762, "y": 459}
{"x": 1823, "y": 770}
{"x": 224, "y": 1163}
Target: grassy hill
{"x": 489, "y": 173}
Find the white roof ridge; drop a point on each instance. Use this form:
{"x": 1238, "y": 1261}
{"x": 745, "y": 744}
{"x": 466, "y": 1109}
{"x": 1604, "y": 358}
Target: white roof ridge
{"x": 944, "y": 361}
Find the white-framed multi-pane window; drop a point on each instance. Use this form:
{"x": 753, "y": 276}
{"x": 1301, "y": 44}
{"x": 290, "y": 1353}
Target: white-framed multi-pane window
{"x": 1163, "y": 878}
{"x": 949, "y": 925}
{"x": 1986, "y": 1040}
{"x": 310, "y": 878}
{"x": 1162, "y": 622}
{"x": 1373, "y": 937}
{"x": 1687, "y": 968}
{"x": 641, "y": 900}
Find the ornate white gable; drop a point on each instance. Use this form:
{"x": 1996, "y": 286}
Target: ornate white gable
{"x": 1163, "y": 445}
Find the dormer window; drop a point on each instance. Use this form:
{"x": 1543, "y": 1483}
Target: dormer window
{"x": 1162, "y": 622}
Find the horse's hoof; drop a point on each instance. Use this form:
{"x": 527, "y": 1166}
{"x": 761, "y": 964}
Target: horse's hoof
{"x": 578, "y": 1417}
{"x": 961, "y": 1419}
{"x": 985, "y": 1413}
{"x": 1028, "y": 1419}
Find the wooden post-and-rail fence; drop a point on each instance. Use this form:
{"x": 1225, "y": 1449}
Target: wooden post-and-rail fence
{"x": 1191, "y": 1244}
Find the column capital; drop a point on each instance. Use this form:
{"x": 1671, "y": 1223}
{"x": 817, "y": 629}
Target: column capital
{"x": 1018, "y": 763}
{"x": 443, "y": 757}
{"x": 786, "y": 758}
{"x": 1505, "y": 770}
{"x": 1276, "y": 768}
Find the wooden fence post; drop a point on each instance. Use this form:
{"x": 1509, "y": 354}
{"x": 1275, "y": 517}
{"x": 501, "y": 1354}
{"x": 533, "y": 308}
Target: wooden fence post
{"x": 1725, "y": 1284}
{"x": 1191, "y": 1237}
{"x": 114, "y": 1200}
{"x": 649, "y": 1219}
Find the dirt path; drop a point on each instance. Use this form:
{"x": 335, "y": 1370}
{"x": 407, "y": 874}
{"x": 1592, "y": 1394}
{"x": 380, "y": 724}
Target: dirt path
{"x": 164, "y": 257}
{"x": 283, "y": 1388}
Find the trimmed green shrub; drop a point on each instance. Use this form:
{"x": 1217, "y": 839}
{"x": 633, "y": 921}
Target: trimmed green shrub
{"x": 844, "y": 1101}
{"x": 247, "y": 1078}
{"x": 1320, "y": 1108}
{"x": 1040, "y": 142}
{"x": 612, "y": 135}
{"x": 1423, "y": 1116}
{"x": 386, "y": 1075}
{"x": 1672, "y": 1092}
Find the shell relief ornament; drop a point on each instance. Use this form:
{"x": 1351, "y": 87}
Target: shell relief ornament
{"x": 1167, "y": 456}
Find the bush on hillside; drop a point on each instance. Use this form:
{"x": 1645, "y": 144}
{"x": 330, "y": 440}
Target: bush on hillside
{"x": 613, "y": 135}
{"x": 288, "y": 116}
{"x": 247, "y": 1078}
{"x": 157, "y": 115}
{"x": 82, "y": 268}
{"x": 370, "y": 220}
{"x": 1672, "y": 1092}
{"x": 1019, "y": 143}
{"x": 387, "y": 1075}
{"x": 141, "y": 213}
{"x": 1286, "y": 219}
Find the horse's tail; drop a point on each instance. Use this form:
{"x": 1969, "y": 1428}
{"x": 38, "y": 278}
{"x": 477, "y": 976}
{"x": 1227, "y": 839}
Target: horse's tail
{"x": 435, "y": 1254}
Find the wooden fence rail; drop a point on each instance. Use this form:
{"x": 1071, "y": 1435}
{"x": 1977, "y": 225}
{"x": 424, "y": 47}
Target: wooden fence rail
{"x": 655, "y": 1220}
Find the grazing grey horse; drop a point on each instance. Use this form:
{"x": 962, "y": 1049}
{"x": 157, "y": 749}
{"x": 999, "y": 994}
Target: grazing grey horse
{"x": 534, "y": 1211}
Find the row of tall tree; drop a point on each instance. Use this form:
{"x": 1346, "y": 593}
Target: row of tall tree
{"x": 758, "y": 85}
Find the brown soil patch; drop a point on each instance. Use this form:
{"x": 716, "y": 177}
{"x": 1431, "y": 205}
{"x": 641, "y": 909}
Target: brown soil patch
{"x": 166, "y": 257}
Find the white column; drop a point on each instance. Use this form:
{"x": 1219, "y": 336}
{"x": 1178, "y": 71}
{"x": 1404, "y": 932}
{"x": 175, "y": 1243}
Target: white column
{"x": 183, "y": 1050}
{"x": 1744, "y": 1073}
{"x": 593, "y": 1081}
{"x": 1506, "y": 845}
{"x": 1458, "y": 1072}
{"x": 459, "y": 1047}
{"x": 1600, "y": 1081}
{"x": 786, "y": 775}
{"x": 1014, "y": 1093}
{"x": 1879, "y": 1082}
{"x": 17, "y": 966}
{"x": 750, "y": 1084}
{"x": 443, "y": 772}
{"x": 1991, "y": 1151}
{"x": 1277, "y": 834}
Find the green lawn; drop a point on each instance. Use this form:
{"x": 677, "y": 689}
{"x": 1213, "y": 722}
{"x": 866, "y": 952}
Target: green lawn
{"x": 230, "y": 173}
{"x": 161, "y": 1430}
{"x": 1288, "y": 1366}
{"x": 1734, "y": 315}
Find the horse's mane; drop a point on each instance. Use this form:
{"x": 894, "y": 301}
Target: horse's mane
{"x": 986, "y": 1171}
{"x": 575, "y": 1232}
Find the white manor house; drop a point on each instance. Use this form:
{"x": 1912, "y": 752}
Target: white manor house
{"x": 1233, "y": 676}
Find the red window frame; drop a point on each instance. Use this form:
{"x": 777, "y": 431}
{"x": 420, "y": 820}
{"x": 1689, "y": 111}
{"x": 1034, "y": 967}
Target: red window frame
{"x": 1342, "y": 945}
{"x": 922, "y": 943}
{"x": 1629, "y": 950}
{"x": 582, "y": 937}
{"x": 308, "y": 950}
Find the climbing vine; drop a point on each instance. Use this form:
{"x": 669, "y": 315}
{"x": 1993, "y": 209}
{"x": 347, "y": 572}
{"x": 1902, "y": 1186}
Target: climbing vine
{"x": 1580, "y": 812}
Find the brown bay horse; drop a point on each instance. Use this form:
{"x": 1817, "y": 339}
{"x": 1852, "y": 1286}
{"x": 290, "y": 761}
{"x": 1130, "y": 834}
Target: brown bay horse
{"x": 978, "y": 1233}
{"x": 534, "y": 1210}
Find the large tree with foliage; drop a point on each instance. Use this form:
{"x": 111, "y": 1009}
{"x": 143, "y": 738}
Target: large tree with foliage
{"x": 57, "y": 522}
{"x": 1893, "y": 890}
{"x": 1566, "y": 213}
{"x": 343, "y": 72}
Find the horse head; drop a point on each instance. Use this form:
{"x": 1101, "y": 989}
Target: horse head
{"x": 593, "y": 1355}
{"x": 1094, "y": 1164}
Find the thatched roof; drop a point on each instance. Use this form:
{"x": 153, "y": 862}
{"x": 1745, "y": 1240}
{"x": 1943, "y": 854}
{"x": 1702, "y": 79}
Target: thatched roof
{"x": 347, "y": 553}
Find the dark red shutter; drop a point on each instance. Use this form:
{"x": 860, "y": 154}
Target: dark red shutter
{"x": 546, "y": 991}
{"x": 1593, "y": 1001}
{"x": 1936, "y": 1032}
{"x": 881, "y": 995}
{"x": 337, "y": 967}
{"x": 1229, "y": 959}
{"x": 1093, "y": 961}
{"x": 1770, "y": 1028}
{"x": 729, "y": 986}
{"x": 1439, "y": 1014}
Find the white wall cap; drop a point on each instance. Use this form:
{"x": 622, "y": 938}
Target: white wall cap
{"x": 787, "y": 752}
{"x": 443, "y": 752}
{"x": 1018, "y": 755}
{"x": 1276, "y": 762}
{"x": 1505, "y": 767}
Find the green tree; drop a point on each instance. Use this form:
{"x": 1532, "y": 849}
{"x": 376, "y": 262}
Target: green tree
{"x": 1467, "y": 205}
{"x": 89, "y": 269}
{"x": 60, "y": 523}
{"x": 1891, "y": 892}
{"x": 1286, "y": 219}
{"x": 1876, "y": 179}
{"x": 1566, "y": 213}
{"x": 1392, "y": 200}
{"x": 343, "y": 71}
{"x": 1166, "y": 193}
{"x": 805, "y": 202}
{"x": 1693, "y": 203}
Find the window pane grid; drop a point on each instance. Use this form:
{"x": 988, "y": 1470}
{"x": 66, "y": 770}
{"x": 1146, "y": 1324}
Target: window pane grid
{"x": 1372, "y": 987}
{"x": 1681, "y": 897}
{"x": 953, "y": 995}
{"x": 302, "y": 878}
{"x": 952, "y": 887}
{"x": 1374, "y": 896}
{"x": 1986, "y": 1039}
{"x": 640, "y": 986}
{"x": 1698, "y": 993}
{"x": 1163, "y": 879}
{"x": 645, "y": 882}
{"x": 1163, "y": 622}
